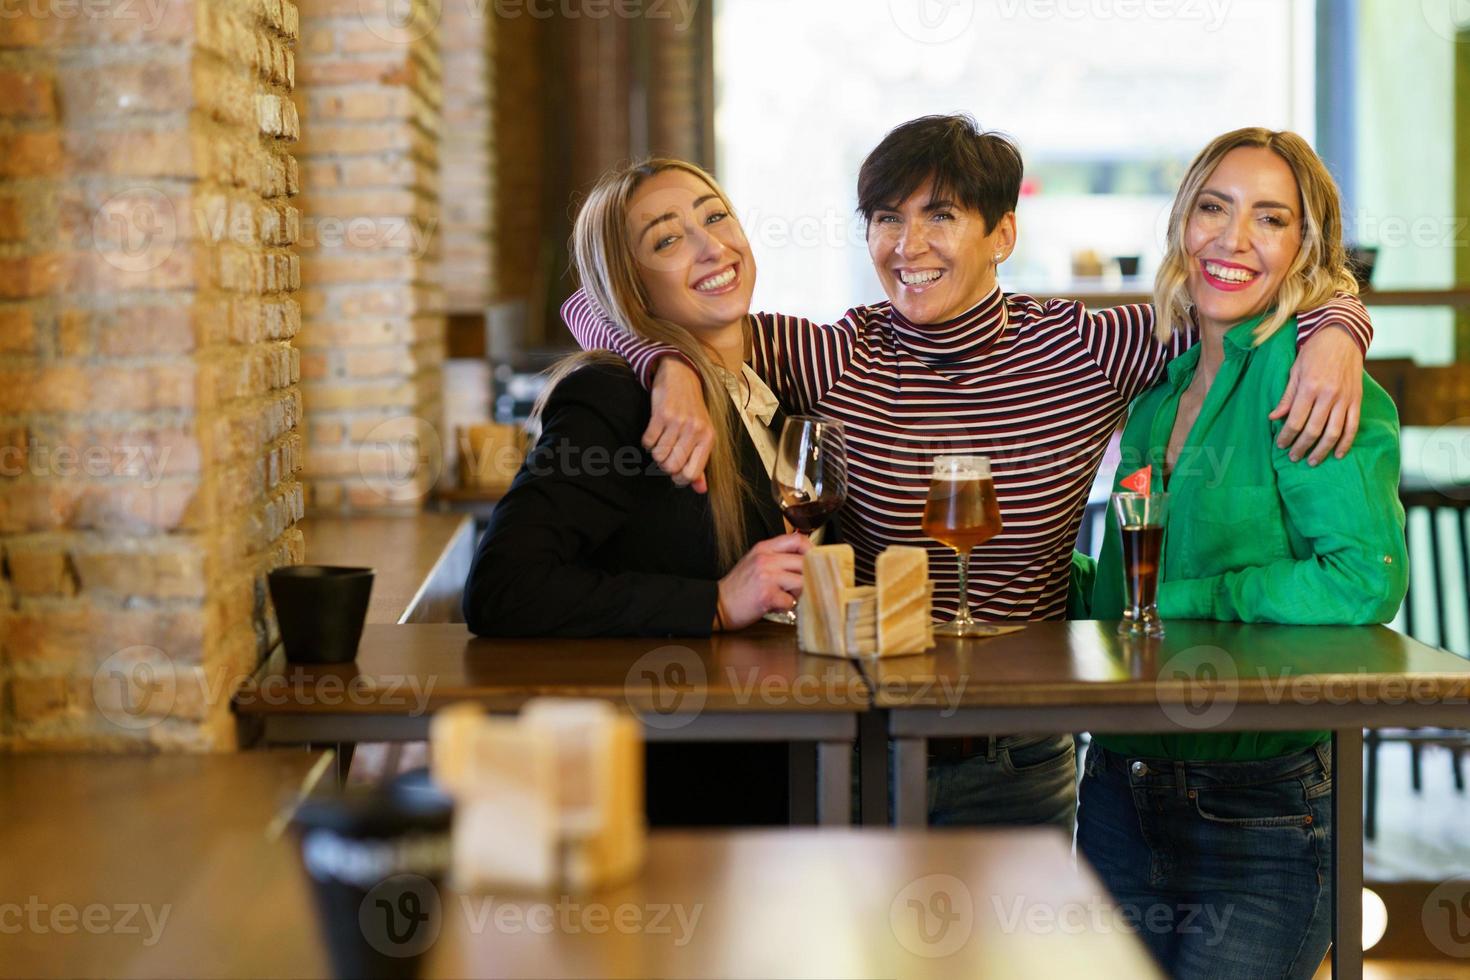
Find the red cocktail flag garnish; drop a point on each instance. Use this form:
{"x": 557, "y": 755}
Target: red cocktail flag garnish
{"x": 1139, "y": 482}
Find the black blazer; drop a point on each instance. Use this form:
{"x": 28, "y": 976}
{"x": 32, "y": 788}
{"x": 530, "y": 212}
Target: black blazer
{"x": 592, "y": 539}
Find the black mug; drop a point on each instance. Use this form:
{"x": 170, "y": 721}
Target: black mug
{"x": 321, "y": 610}
{"x": 376, "y": 859}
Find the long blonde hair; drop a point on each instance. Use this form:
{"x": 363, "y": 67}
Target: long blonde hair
{"x": 608, "y": 271}
{"x": 1320, "y": 267}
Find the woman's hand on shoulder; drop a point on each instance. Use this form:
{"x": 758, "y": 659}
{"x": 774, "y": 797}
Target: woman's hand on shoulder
{"x": 767, "y": 579}
{"x": 679, "y": 434}
{"x": 1323, "y": 397}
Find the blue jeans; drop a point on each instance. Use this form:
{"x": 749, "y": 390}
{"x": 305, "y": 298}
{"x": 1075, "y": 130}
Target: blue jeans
{"x": 1013, "y": 779}
{"x": 1223, "y": 868}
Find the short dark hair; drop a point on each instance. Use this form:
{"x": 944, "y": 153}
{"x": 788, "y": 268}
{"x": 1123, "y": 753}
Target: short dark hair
{"x": 970, "y": 166}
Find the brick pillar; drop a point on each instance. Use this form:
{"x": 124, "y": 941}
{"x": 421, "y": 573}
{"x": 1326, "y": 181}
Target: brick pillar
{"x": 148, "y": 396}
{"x": 372, "y": 336}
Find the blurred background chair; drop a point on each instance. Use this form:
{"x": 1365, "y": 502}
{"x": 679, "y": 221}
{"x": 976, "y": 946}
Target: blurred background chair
{"x": 1439, "y": 577}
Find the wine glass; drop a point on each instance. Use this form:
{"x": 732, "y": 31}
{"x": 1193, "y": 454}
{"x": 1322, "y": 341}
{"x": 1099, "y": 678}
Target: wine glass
{"x": 961, "y": 511}
{"x": 809, "y": 480}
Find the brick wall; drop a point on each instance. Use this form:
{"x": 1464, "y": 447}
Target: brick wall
{"x": 372, "y": 335}
{"x": 148, "y": 397}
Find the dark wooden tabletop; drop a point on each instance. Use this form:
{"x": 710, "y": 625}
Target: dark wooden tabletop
{"x": 795, "y": 903}
{"x": 402, "y": 550}
{"x": 1086, "y": 663}
{"x": 424, "y": 666}
{"x": 172, "y": 858}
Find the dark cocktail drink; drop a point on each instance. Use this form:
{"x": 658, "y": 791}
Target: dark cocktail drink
{"x": 1141, "y": 518}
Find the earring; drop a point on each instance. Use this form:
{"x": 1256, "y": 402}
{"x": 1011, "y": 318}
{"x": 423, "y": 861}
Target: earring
{"x": 997, "y": 258}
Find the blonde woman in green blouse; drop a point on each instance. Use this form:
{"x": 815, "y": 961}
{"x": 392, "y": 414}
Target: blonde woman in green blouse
{"x": 1219, "y": 844}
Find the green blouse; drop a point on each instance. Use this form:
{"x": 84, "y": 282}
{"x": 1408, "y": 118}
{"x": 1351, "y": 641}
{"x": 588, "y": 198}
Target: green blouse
{"x": 1251, "y": 536}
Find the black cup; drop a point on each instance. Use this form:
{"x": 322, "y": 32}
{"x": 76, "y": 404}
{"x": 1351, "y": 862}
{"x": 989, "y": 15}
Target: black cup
{"x": 321, "y": 609}
{"x": 376, "y": 859}
{"x": 1128, "y": 265}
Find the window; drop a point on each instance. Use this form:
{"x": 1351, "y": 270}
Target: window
{"x": 1108, "y": 110}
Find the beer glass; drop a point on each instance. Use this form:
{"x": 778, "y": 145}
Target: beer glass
{"x": 961, "y": 512}
{"x": 1141, "y": 518}
{"x": 809, "y": 480}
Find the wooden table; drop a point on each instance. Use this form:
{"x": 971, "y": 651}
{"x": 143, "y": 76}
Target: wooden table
{"x": 177, "y": 864}
{"x": 152, "y": 866}
{"x": 805, "y": 903}
{"x": 1080, "y": 676}
{"x": 420, "y": 561}
{"x": 747, "y": 686}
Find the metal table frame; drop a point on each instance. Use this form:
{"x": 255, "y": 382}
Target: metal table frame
{"x": 821, "y": 743}
{"x": 911, "y": 728}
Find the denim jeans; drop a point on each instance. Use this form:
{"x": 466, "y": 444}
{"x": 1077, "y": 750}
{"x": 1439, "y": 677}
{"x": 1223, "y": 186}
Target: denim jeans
{"x": 1223, "y": 868}
{"x": 1016, "y": 779}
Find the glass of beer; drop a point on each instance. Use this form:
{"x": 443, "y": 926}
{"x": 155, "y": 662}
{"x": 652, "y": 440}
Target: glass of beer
{"x": 1141, "y": 518}
{"x": 961, "y": 512}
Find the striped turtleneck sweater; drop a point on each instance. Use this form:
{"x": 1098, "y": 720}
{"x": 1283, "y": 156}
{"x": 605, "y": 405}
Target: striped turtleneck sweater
{"x": 1038, "y": 387}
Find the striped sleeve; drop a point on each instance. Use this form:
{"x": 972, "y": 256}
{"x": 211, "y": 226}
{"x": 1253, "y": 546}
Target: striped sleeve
{"x": 1121, "y": 340}
{"x": 1344, "y": 310}
{"x": 802, "y": 360}
{"x": 593, "y": 330}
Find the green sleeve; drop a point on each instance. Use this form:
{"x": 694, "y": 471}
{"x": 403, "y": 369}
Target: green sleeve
{"x": 1348, "y": 513}
{"x": 1079, "y": 586}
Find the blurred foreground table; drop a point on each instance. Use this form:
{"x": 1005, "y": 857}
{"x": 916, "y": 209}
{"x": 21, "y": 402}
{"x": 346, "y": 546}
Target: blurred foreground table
{"x": 1204, "y": 676}
{"x": 748, "y": 686}
{"x": 808, "y": 903}
{"x": 154, "y": 866}
{"x": 176, "y": 866}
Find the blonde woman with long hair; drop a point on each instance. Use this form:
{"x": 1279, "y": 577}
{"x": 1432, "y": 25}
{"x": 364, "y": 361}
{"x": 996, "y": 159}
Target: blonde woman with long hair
{"x": 1219, "y": 844}
{"x": 593, "y": 539}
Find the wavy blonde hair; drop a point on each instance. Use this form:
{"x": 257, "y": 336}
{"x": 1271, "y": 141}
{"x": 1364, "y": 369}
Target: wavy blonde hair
{"x": 608, "y": 271}
{"x": 1320, "y": 267}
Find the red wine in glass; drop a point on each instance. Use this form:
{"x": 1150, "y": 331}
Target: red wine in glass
{"x": 805, "y": 514}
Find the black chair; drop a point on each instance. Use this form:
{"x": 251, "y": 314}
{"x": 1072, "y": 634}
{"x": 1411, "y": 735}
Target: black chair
{"x": 1430, "y": 577}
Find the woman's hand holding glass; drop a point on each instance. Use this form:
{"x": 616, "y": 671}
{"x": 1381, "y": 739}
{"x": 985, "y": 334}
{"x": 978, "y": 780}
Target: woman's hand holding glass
{"x": 767, "y": 579}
